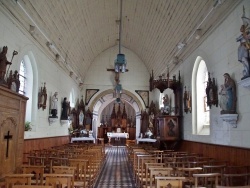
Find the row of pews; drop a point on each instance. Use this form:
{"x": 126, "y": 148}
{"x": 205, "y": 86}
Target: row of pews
{"x": 156, "y": 169}
{"x": 71, "y": 165}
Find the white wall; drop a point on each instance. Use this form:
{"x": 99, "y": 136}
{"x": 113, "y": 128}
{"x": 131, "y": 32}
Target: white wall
{"x": 219, "y": 51}
{"x": 45, "y": 70}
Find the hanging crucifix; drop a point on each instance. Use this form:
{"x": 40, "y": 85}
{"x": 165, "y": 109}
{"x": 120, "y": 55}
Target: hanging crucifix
{"x": 7, "y": 137}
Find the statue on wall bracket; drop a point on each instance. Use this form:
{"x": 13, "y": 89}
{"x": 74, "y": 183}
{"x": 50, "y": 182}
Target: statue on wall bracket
{"x": 228, "y": 96}
{"x": 244, "y": 47}
{"x": 3, "y": 65}
{"x": 211, "y": 92}
{"x": 42, "y": 97}
{"x": 54, "y": 105}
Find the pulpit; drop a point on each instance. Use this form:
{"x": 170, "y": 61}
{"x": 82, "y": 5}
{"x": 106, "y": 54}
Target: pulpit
{"x": 12, "y": 120}
{"x": 169, "y": 123}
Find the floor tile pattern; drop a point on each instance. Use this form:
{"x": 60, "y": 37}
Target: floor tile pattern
{"x": 116, "y": 171}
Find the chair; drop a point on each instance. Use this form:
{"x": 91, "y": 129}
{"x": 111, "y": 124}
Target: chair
{"x": 236, "y": 176}
{"x": 188, "y": 174}
{"x": 17, "y": 179}
{"x": 38, "y": 172}
{"x": 58, "y": 161}
{"x": 81, "y": 176}
{"x": 61, "y": 180}
{"x": 171, "y": 182}
{"x": 205, "y": 179}
{"x": 155, "y": 171}
{"x": 31, "y": 186}
{"x": 237, "y": 179}
{"x": 244, "y": 186}
{"x": 68, "y": 170}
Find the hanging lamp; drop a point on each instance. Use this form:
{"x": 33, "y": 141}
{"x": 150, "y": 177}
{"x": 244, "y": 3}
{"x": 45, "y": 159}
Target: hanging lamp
{"x": 120, "y": 61}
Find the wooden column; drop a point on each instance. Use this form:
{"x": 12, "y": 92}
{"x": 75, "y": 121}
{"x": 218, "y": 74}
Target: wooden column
{"x": 12, "y": 120}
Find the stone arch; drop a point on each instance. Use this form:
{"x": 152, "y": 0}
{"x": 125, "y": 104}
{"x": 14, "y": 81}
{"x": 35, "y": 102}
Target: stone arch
{"x": 104, "y": 98}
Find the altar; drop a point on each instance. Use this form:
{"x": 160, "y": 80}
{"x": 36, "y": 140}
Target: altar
{"x": 117, "y": 139}
{"x": 117, "y": 135}
{"x": 82, "y": 139}
{"x": 138, "y": 140}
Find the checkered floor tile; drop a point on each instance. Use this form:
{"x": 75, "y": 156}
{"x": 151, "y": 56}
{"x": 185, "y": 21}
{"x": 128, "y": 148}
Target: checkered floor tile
{"x": 116, "y": 171}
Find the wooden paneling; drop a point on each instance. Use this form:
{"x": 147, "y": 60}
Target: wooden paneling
{"x": 234, "y": 155}
{"x": 12, "y": 117}
{"x": 42, "y": 143}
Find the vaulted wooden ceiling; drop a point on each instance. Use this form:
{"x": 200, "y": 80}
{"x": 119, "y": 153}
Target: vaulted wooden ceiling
{"x": 79, "y": 30}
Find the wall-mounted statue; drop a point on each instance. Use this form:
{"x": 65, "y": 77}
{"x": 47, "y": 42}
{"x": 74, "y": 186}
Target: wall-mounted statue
{"x": 65, "y": 107}
{"x": 166, "y": 104}
{"x": 81, "y": 118}
{"x": 53, "y": 105}
{"x": 13, "y": 81}
{"x": 42, "y": 97}
{"x": 187, "y": 101}
{"x": 3, "y": 63}
{"x": 243, "y": 49}
{"x": 211, "y": 92}
{"x": 228, "y": 96}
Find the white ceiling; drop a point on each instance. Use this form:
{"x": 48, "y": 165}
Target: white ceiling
{"x": 82, "y": 29}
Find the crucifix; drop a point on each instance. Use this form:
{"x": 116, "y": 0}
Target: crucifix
{"x": 7, "y": 137}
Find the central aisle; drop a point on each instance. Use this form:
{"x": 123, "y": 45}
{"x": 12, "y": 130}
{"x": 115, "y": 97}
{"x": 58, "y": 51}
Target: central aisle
{"x": 116, "y": 171}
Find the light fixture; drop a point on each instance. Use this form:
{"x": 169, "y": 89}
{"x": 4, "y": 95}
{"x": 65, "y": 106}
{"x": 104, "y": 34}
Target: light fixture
{"x": 32, "y": 29}
{"x": 175, "y": 60}
{"x": 120, "y": 61}
{"x": 197, "y": 34}
{"x": 181, "y": 45}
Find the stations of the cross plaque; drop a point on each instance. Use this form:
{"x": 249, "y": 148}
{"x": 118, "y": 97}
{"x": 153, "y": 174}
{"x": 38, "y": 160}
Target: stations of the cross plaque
{"x": 7, "y": 137}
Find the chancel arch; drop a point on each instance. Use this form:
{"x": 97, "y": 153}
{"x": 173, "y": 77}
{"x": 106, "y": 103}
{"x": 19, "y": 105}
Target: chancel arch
{"x": 105, "y": 98}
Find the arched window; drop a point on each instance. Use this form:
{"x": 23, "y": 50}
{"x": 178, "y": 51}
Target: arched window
{"x": 22, "y": 78}
{"x": 160, "y": 100}
{"x": 201, "y": 113}
{"x": 26, "y": 84}
{"x": 72, "y": 98}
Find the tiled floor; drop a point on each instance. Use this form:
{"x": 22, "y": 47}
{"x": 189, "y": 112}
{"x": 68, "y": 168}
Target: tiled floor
{"x": 116, "y": 171}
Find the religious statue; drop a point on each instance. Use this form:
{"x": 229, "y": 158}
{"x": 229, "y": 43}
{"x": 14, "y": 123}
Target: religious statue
{"x": 81, "y": 118}
{"x": 151, "y": 120}
{"x": 53, "y": 105}
{"x": 13, "y": 81}
{"x": 42, "y": 97}
{"x": 228, "y": 96}
{"x": 166, "y": 104}
{"x": 243, "y": 49}
{"x": 3, "y": 63}
{"x": 64, "y": 115}
{"x": 187, "y": 101}
{"x": 149, "y": 133}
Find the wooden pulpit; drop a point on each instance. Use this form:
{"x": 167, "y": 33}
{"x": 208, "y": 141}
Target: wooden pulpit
{"x": 12, "y": 120}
